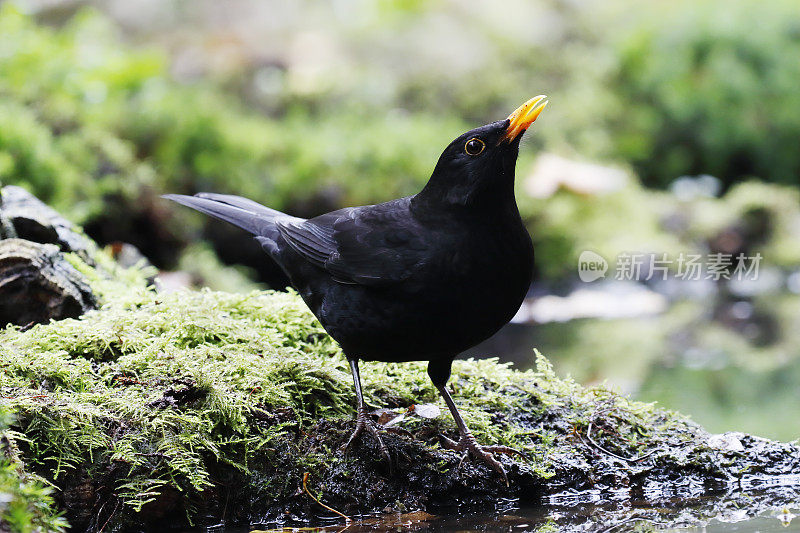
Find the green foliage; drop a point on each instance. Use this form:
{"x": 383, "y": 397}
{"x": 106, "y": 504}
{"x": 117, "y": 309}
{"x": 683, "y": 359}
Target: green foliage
{"x": 711, "y": 88}
{"x": 84, "y": 125}
{"x": 58, "y": 94}
{"x": 568, "y": 223}
{"x": 26, "y": 504}
{"x": 763, "y": 215}
{"x": 96, "y": 129}
{"x": 204, "y": 268}
{"x": 766, "y": 215}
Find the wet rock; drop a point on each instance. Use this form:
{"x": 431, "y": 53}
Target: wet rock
{"x": 80, "y": 496}
{"x": 726, "y": 442}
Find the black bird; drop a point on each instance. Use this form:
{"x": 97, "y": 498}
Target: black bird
{"x": 418, "y": 278}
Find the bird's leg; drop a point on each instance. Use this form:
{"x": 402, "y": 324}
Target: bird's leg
{"x": 467, "y": 442}
{"x": 362, "y": 422}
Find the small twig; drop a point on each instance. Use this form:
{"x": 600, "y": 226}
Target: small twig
{"x": 116, "y": 505}
{"x": 225, "y": 509}
{"x": 609, "y": 411}
{"x": 331, "y": 509}
{"x": 25, "y": 397}
{"x": 128, "y": 381}
{"x": 612, "y": 454}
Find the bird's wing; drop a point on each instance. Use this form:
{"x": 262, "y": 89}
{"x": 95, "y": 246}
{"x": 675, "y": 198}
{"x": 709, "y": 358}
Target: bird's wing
{"x": 372, "y": 245}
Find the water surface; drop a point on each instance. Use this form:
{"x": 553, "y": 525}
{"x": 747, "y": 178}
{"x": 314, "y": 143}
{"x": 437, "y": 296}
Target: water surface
{"x": 767, "y": 512}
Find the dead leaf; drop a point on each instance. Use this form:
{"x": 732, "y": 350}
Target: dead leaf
{"x": 385, "y": 415}
{"x": 426, "y": 410}
{"x": 396, "y": 420}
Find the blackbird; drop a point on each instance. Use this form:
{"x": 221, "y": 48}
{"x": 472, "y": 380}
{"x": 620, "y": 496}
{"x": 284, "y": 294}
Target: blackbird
{"x": 420, "y": 278}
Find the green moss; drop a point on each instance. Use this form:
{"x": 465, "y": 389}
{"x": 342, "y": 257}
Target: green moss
{"x": 165, "y": 383}
{"x": 26, "y": 504}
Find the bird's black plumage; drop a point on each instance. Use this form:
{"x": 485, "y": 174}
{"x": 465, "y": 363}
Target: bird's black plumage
{"x": 418, "y": 278}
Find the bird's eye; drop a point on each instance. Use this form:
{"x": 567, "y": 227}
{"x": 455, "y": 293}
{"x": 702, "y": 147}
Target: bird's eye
{"x": 474, "y": 146}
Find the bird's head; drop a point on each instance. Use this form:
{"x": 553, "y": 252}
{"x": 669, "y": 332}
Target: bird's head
{"x": 479, "y": 164}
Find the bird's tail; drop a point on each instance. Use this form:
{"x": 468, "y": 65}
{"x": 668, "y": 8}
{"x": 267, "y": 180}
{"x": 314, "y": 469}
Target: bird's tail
{"x": 246, "y": 214}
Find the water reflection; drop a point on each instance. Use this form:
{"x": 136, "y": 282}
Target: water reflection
{"x": 763, "y": 511}
{"x": 731, "y": 363}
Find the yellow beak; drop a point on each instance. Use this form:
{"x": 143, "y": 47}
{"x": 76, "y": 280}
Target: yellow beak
{"x": 523, "y": 117}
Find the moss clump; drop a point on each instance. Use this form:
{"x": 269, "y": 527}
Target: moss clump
{"x": 26, "y": 504}
{"x": 161, "y": 386}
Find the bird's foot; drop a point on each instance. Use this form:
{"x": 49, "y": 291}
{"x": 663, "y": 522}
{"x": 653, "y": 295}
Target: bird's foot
{"x": 363, "y": 424}
{"x": 469, "y": 446}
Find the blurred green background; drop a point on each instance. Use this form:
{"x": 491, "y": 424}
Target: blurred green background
{"x": 673, "y": 127}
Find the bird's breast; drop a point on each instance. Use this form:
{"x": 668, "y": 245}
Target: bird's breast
{"x": 465, "y": 291}
{"x": 496, "y": 274}
{"x": 480, "y": 287}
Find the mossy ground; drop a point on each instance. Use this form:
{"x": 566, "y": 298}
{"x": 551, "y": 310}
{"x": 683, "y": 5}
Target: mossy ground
{"x": 208, "y": 406}
{"x": 26, "y": 504}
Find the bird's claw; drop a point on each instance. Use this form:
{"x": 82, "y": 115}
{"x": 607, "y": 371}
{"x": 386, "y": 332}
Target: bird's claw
{"x": 469, "y": 446}
{"x": 363, "y": 424}
{"x": 505, "y": 450}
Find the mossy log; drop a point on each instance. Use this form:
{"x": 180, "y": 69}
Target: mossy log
{"x": 37, "y": 283}
{"x": 24, "y": 216}
{"x": 212, "y": 407}
{"x": 208, "y": 407}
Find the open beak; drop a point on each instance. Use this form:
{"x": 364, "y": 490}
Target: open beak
{"x": 523, "y": 117}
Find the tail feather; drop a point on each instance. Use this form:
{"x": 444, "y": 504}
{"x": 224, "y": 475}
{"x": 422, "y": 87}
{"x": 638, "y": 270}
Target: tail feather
{"x": 241, "y": 212}
{"x": 242, "y": 203}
